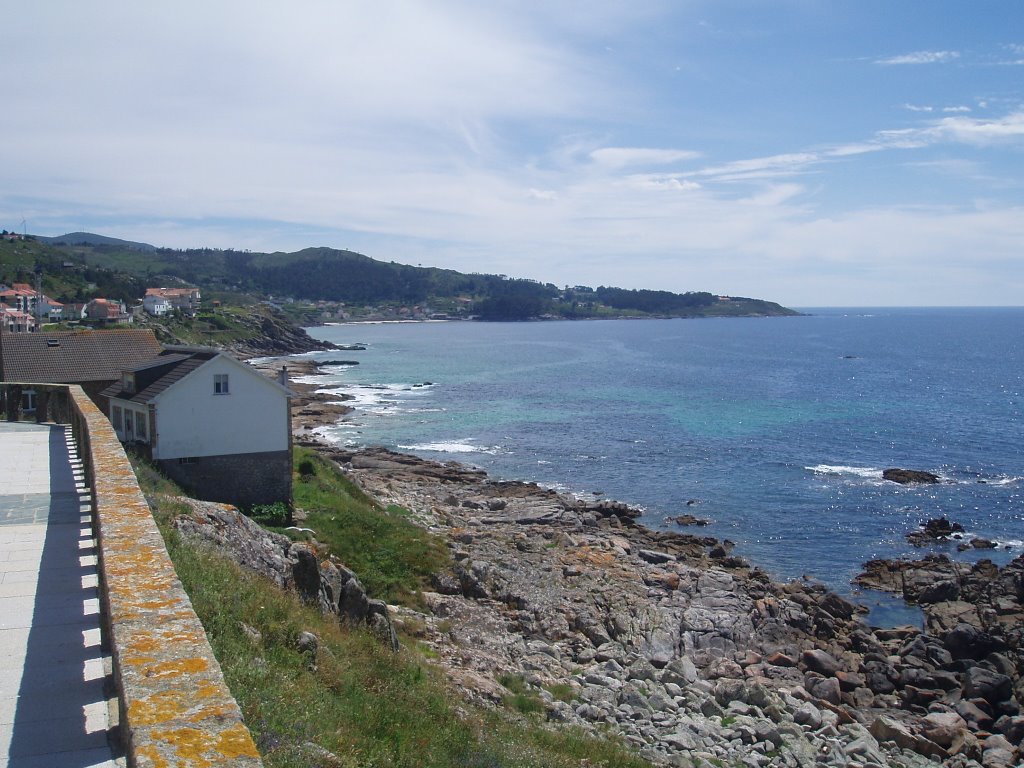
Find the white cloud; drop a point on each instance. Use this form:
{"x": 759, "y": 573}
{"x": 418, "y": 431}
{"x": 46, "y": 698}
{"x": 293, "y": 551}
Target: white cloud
{"x": 665, "y": 182}
{"x": 956, "y": 109}
{"x": 761, "y": 167}
{"x": 915, "y": 108}
{"x": 978, "y": 132}
{"x": 621, "y": 157}
{"x": 921, "y": 57}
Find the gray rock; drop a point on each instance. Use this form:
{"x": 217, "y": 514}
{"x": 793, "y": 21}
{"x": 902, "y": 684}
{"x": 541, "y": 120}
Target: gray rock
{"x": 305, "y": 572}
{"x": 660, "y": 648}
{"x": 610, "y": 651}
{"x": 965, "y": 641}
{"x": 885, "y": 728}
{"x": 975, "y": 717}
{"x": 655, "y": 558}
{"x": 603, "y": 681}
{"x": 681, "y": 740}
{"x": 824, "y": 688}
{"x": 944, "y": 728}
{"x": 820, "y": 661}
{"x": 354, "y": 605}
{"x": 682, "y": 672}
{"x": 642, "y": 670}
{"x": 767, "y": 732}
{"x": 1012, "y": 728}
{"x": 634, "y": 698}
{"x": 985, "y": 684}
{"x": 723, "y": 668}
{"x": 308, "y": 643}
{"x": 865, "y": 746}
{"x": 808, "y": 715}
{"x": 998, "y": 753}
{"x": 729, "y": 690}
{"x": 660, "y": 702}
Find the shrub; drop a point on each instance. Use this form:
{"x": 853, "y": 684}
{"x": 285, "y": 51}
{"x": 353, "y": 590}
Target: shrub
{"x": 276, "y": 515}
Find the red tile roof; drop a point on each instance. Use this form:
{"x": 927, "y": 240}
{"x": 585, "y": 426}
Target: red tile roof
{"x": 69, "y": 357}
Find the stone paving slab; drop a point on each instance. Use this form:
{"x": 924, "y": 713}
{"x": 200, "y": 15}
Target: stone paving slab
{"x": 53, "y": 703}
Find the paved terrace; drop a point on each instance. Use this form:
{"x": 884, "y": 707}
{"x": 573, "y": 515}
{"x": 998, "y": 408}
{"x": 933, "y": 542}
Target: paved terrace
{"x": 53, "y": 708}
{"x": 84, "y": 573}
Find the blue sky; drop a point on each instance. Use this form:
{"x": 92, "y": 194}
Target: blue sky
{"x": 854, "y": 153}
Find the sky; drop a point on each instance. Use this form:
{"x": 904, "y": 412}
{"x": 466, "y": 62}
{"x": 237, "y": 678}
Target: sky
{"x": 811, "y": 152}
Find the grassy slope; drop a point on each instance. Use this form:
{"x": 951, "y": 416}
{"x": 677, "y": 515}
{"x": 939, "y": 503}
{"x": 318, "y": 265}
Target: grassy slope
{"x": 355, "y": 698}
{"x": 393, "y": 557}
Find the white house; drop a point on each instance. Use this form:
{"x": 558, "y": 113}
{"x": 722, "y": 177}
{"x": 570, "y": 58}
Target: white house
{"x": 156, "y": 304}
{"x": 214, "y": 425}
{"x": 188, "y": 300}
{"x": 16, "y": 321}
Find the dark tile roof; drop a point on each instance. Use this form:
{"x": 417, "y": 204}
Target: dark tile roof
{"x": 154, "y": 376}
{"x": 69, "y": 357}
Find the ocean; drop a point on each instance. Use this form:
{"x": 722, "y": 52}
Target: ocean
{"x": 776, "y": 430}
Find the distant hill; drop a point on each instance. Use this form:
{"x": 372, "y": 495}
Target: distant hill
{"x": 88, "y": 238}
{"x": 356, "y": 280}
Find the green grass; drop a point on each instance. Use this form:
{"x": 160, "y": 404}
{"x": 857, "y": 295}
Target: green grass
{"x": 561, "y": 691}
{"x": 368, "y": 706}
{"x": 521, "y": 697}
{"x": 393, "y": 557}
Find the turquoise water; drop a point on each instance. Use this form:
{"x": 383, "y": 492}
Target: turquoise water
{"x": 777, "y": 428}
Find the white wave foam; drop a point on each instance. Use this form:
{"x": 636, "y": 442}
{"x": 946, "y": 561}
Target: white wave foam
{"x": 451, "y": 446}
{"x": 1004, "y": 480}
{"x": 868, "y": 473}
{"x": 376, "y": 398}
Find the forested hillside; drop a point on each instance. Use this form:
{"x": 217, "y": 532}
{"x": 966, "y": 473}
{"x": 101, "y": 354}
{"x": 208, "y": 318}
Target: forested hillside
{"x": 349, "y": 278}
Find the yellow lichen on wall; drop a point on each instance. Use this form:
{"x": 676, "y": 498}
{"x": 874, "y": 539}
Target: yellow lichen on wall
{"x": 177, "y": 711}
{"x": 235, "y": 741}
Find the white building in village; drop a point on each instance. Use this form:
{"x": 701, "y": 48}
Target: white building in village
{"x": 214, "y": 425}
{"x": 160, "y": 301}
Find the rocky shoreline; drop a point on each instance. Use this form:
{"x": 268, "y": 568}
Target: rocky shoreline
{"x": 684, "y": 649}
{"x": 310, "y": 409}
{"x": 687, "y": 651}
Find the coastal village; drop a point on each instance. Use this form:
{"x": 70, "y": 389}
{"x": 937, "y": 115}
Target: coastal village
{"x": 667, "y": 641}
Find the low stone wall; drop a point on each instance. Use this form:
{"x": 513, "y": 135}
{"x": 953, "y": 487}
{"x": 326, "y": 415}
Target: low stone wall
{"x": 175, "y": 707}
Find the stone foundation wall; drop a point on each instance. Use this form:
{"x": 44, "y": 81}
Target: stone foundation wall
{"x": 242, "y": 479}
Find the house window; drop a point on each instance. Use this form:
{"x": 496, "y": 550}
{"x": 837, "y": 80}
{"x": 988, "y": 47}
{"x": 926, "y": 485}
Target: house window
{"x": 129, "y": 432}
{"x": 140, "y": 426}
{"x": 220, "y": 384}
{"x": 187, "y": 460}
{"x": 115, "y": 418}
{"x": 128, "y": 382}
{"x": 28, "y": 401}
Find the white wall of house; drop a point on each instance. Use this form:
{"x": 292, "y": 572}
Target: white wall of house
{"x": 157, "y": 306}
{"x": 193, "y": 420}
{"x": 130, "y": 421}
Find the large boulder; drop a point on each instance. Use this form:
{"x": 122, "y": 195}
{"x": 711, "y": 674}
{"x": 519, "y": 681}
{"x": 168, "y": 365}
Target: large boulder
{"x": 822, "y": 662}
{"x": 965, "y": 641}
{"x": 982, "y": 683}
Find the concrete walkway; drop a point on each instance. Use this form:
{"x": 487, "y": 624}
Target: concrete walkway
{"x": 53, "y": 707}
